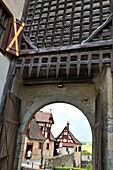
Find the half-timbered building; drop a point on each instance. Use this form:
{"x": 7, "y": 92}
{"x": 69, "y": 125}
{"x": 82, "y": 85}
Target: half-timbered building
{"x": 67, "y": 143}
{"x": 39, "y": 137}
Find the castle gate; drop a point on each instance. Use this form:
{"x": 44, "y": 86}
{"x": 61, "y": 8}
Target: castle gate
{"x": 67, "y": 56}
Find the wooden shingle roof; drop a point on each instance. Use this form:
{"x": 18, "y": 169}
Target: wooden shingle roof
{"x": 35, "y": 132}
{"x": 43, "y": 117}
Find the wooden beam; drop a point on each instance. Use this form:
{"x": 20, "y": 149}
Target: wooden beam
{"x": 57, "y": 81}
{"x": 68, "y": 48}
{"x": 28, "y": 41}
{"x": 100, "y": 28}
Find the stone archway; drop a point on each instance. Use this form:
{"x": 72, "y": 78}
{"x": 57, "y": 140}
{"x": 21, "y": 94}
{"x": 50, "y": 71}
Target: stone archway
{"x": 54, "y": 99}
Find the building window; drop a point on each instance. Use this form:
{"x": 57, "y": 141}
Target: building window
{"x": 79, "y": 149}
{"x": 67, "y": 149}
{"x": 76, "y": 149}
{"x": 47, "y": 146}
{"x": 5, "y": 17}
{"x": 41, "y": 128}
{"x": 40, "y": 145}
{"x": 48, "y": 136}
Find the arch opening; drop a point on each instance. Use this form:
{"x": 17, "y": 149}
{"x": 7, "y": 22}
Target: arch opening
{"x": 63, "y": 113}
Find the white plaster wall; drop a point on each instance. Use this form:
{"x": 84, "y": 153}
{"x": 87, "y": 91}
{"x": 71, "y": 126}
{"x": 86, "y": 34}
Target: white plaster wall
{"x": 15, "y": 6}
{"x": 4, "y": 65}
{"x": 63, "y": 150}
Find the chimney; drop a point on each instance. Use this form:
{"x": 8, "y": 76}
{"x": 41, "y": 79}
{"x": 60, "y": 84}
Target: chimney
{"x": 68, "y": 124}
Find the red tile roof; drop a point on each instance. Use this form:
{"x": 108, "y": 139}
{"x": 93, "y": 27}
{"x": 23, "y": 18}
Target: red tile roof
{"x": 43, "y": 117}
{"x": 34, "y": 131}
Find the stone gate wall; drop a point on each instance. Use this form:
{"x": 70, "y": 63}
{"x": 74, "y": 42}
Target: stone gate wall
{"x": 64, "y": 160}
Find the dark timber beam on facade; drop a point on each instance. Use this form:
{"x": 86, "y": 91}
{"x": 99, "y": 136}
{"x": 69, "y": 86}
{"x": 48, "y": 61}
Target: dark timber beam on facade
{"x": 28, "y": 82}
{"x": 86, "y": 45}
{"x": 73, "y": 64}
{"x": 65, "y": 39}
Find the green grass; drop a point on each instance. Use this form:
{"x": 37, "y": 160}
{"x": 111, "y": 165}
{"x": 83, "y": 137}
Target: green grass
{"x": 87, "y": 147}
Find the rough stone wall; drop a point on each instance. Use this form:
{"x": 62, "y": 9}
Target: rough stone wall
{"x": 81, "y": 96}
{"x": 35, "y": 97}
{"x": 64, "y": 160}
{"x": 36, "y": 152}
{"x": 48, "y": 153}
{"x": 107, "y": 120}
{"x": 77, "y": 156}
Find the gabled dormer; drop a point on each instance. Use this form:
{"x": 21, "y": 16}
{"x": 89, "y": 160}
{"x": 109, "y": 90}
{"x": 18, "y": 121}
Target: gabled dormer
{"x": 45, "y": 121}
{"x": 66, "y": 137}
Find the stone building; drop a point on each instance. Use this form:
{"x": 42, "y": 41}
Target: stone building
{"x": 66, "y": 143}
{"x": 39, "y": 137}
{"x": 66, "y": 55}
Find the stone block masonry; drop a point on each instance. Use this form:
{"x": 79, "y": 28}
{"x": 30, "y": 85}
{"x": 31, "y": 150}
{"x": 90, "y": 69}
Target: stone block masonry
{"x": 64, "y": 160}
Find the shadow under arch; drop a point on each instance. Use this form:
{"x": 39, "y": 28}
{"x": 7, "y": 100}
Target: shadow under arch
{"x": 37, "y": 105}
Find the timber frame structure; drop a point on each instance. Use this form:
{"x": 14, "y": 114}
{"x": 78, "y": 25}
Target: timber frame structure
{"x": 67, "y": 42}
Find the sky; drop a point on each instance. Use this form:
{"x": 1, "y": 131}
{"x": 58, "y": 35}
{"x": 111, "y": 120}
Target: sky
{"x": 62, "y": 113}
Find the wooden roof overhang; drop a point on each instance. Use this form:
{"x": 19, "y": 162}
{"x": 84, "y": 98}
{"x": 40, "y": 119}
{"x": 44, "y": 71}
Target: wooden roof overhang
{"x": 65, "y": 41}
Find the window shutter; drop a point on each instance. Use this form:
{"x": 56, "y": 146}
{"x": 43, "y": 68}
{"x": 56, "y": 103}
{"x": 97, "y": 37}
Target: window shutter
{"x": 5, "y": 21}
{"x": 15, "y": 37}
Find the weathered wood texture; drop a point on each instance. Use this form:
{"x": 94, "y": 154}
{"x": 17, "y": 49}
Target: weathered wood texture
{"x": 65, "y": 22}
{"x": 66, "y": 39}
{"x": 9, "y": 132}
{"x": 15, "y": 36}
{"x": 7, "y": 88}
{"x": 67, "y": 65}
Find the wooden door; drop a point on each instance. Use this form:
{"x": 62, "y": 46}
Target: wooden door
{"x": 9, "y": 132}
{"x": 98, "y": 131}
